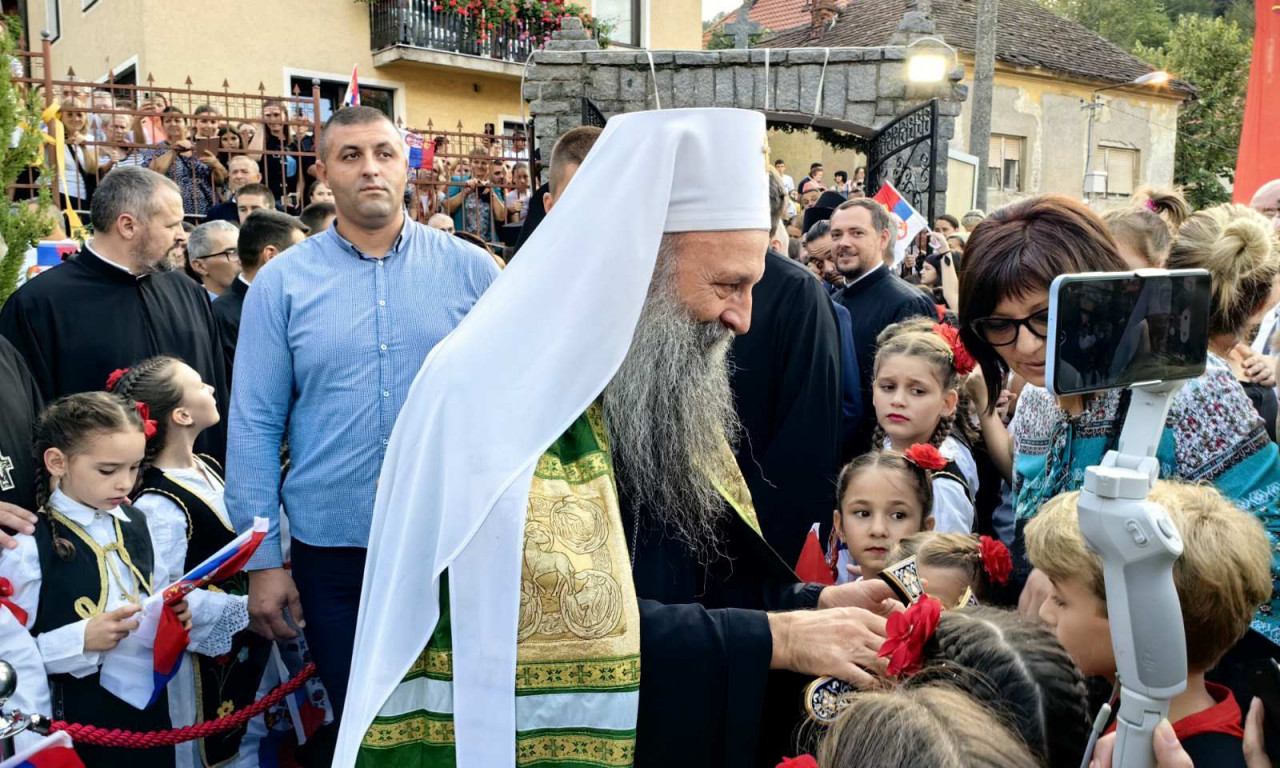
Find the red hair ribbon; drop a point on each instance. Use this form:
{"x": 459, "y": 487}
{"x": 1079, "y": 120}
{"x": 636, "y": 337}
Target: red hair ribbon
{"x": 149, "y": 425}
{"x": 996, "y": 560}
{"x": 799, "y": 761}
{"x": 925, "y": 456}
{"x": 908, "y": 632}
{"x": 115, "y": 377}
{"x": 963, "y": 361}
{"x": 6, "y": 592}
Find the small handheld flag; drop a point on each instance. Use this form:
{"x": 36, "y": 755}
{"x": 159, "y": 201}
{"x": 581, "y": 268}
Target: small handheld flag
{"x": 910, "y": 222}
{"x": 53, "y": 751}
{"x": 812, "y": 566}
{"x": 422, "y": 153}
{"x": 144, "y": 662}
{"x": 352, "y": 98}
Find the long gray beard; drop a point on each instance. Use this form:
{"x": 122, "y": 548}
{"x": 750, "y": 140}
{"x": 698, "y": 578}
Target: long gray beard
{"x": 668, "y": 412}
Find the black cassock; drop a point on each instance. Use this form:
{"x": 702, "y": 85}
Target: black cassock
{"x": 20, "y": 404}
{"x": 787, "y": 386}
{"x": 707, "y": 697}
{"x": 81, "y": 320}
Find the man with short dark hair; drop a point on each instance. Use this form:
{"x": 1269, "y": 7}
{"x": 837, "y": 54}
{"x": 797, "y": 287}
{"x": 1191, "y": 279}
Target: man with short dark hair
{"x": 211, "y": 252}
{"x": 265, "y": 235}
{"x": 817, "y": 244}
{"x": 121, "y": 298}
{"x": 861, "y": 231}
{"x": 569, "y": 152}
{"x": 318, "y": 216}
{"x": 332, "y": 335}
{"x": 254, "y": 197}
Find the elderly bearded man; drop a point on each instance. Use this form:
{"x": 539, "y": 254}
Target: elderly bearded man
{"x": 521, "y": 608}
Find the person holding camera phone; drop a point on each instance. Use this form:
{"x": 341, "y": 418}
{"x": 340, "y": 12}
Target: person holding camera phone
{"x": 194, "y": 170}
{"x": 474, "y": 202}
{"x": 1212, "y": 434}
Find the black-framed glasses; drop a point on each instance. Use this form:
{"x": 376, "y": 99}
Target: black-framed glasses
{"x": 230, "y": 253}
{"x": 1003, "y": 331}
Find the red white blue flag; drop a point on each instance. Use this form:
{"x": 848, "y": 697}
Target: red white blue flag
{"x": 140, "y": 667}
{"x": 352, "y": 99}
{"x": 53, "y": 751}
{"x": 910, "y": 222}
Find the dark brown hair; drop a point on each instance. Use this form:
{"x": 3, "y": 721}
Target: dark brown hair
{"x": 571, "y": 149}
{"x": 67, "y": 424}
{"x": 152, "y": 382}
{"x": 921, "y": 480}
{"x": 1149, "y": 226}
{"x": 879, "y": 214}
{"x": 1018, "y": 251}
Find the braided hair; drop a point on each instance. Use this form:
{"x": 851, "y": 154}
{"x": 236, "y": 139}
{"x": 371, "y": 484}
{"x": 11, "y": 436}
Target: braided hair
{"x": 1016, "y": 667}
{"x": 152, "y": 382}
{"x": 67, "y": 424}
{"x": 921, "y": 479}
{"x": 917, "y": 338}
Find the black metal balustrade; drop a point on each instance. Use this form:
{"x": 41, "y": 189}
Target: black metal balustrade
{"x": 418, "y": 24}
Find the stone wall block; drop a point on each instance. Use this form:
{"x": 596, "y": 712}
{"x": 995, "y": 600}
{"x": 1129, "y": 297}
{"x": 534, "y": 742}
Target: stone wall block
{"x": 810, "y": 76}
{"x": 892, "y": 81}
{"x": 862, "y": 113}
{"x": 704, "y": 92}
{"x": 545, "y": 107}
{"x": 735, "y": 56}
{"x": 860, "y": 82}
{"x": 786, "y": 89}
{"x": 633, "y": 86}
{"x": 743, "y": 88}
{"x": 693, "y": 59}
{"x": 604, "y": 83}
{"x": 833, "y": 93}
{"x": 724, "y": 87}
{"x": 558, "y": 57}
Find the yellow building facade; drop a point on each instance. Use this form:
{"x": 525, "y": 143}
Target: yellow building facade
{"x": 283, "y": 43}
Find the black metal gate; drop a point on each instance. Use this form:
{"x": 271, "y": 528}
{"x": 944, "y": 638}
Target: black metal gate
{"x": 903, "y": 154}
{"x": 591, "y": 114}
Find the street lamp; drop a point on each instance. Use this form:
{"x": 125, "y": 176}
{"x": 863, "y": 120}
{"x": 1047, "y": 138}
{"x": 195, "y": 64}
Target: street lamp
{"x": 1095, "y": 181}
{"x": 930, "y": 63}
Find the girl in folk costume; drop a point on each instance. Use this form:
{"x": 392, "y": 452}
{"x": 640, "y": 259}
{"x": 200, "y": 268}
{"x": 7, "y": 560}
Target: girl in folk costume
{"x": 957, "y": 567}
{"x": 884, "y": 498}
{"x": 181, "y": 495}
{"x": 919, "y": 369}
{"x": 81, "y": 577}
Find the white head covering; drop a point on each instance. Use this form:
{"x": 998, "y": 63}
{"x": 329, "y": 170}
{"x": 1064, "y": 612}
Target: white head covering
{"x": 557, "y": 324}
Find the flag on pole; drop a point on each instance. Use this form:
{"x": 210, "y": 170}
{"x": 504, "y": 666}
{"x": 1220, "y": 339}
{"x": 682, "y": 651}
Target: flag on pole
{"x": 812, "y": 566}
{"x": 352, "y": 99}
{"x": 53, "y": 751}
{"x": 910, "y": 222}
{"x": 144, "y": 662}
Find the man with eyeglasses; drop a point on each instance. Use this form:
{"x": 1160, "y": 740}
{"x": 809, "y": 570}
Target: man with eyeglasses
{"x": 211, "y": 250}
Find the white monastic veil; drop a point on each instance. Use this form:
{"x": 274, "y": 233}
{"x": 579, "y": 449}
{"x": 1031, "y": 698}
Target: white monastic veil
{"x": 535, "y": 351}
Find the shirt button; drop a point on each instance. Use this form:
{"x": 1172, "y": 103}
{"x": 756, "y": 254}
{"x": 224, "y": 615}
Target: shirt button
{"x": 382, "y": 303}
{"x": 385, "y": 393}
{"x": 382, "y": 347}
{"x": 385, "y": 441}
{"x": 381, "y": 265}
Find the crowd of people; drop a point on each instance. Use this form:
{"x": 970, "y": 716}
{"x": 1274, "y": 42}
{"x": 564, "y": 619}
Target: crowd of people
{"x": 689, "y": 393}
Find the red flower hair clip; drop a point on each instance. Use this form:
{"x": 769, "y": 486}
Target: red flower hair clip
{"x": 800, "y": 761}
{"x": 996, "y": 560}
{"x": 960, "y": 356}
{"x": 908, "y": 632}
{"x": 115, "y": 378}
{"x": 149, "y": 426}
{"x": 925, "y": 456}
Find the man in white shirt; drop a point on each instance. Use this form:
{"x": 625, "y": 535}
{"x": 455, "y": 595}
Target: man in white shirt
{"x": 788, "y": 184}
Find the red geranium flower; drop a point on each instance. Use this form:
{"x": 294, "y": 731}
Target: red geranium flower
{"x": 996, "y": 560}
{"x": 115, "y": 377}
{"x": 964, "y": 362}
{"x": 925, "y": 456}
{"x": 908, "y": 632}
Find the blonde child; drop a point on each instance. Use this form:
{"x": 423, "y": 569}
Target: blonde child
{"x": 920, "y": 367}
{"x": 181, "y": 495}
{"x": 884, "y": 497}
{"x": 81, "y": 577}
{"x": 951, "y": 563}
{"x": 1222, "y": 577}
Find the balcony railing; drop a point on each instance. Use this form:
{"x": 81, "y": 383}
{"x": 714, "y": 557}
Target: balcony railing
{"x": 417, "y": 24}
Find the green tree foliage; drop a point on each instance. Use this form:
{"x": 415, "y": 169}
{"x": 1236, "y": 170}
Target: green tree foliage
{"x": 1213, "y": 55}
{"x": 1126, "y": 23}
{"x": 20, "y": 226}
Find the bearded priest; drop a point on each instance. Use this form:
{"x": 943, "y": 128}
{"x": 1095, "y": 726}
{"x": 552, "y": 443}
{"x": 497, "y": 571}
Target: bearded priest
{"x": 573, "y": 574}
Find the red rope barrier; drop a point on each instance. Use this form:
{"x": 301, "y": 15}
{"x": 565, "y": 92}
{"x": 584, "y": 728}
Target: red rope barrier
{"x": 115, "y": 737}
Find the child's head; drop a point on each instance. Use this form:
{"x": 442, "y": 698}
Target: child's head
{"x": 181, "y": 404}
{"x": 934, "y": 725}
{"x": 1222, "y": 577}
{"x": 884, "y": 497}
{"x": 1144, "y": 231}
{"x": 1015, "y": 667}
{"x": 90, "y": 445}
{"x": 949, "y": 563}
{"x": 915, "y": 383}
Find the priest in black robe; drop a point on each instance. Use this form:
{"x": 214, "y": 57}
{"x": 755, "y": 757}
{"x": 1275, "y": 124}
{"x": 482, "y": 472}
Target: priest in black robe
{"x": 19, "y": 408}
{"x": 114, "y": 303}
{"x": 875, "y": 297}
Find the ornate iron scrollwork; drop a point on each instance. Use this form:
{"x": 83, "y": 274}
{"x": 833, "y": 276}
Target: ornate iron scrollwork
{"x": 591, "y": 114}
{"x": 902, "y": 153}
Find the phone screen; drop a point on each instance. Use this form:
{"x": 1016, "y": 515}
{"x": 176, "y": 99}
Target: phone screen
{"x": 1113, "y": 330}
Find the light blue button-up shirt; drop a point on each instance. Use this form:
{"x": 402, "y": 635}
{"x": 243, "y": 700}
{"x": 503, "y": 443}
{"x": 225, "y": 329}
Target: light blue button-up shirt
{"x": 330, "y": 340}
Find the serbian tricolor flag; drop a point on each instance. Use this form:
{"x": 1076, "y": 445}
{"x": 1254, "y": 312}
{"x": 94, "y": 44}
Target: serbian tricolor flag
{"x": 910, "y": 222}
{"x": 812, "y": 566}
{"x": 144, "y": 662}
{"x": 422, "y": 153}
{"x": 53, "y": 751}
{"x": 352, "y": 99}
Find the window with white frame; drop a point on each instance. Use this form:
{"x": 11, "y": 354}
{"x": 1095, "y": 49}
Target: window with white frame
{"x": 1004, "y": 163}
{"x": 1121, "y": 162}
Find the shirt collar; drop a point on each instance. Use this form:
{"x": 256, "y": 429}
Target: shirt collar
{"x": 240, "y": 279}
{"x": 862, "y": 276}
{"x": 81, "y": 514}
{"x": 89, "y": 248}
{"x": 401, "y": 240}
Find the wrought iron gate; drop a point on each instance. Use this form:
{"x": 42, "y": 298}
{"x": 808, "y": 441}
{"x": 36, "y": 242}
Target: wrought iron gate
{"x": 591, "y": 114}
{"x": 903, "y": 154}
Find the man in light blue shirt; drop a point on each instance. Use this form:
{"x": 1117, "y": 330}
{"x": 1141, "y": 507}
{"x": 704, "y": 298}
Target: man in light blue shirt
{"x": 332, "y": 334}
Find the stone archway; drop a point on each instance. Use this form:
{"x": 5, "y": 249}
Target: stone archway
{"x": 852, "y": 90}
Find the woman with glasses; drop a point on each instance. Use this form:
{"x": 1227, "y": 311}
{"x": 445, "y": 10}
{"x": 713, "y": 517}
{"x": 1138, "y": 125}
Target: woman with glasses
{"x": 1212, "y": 434}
